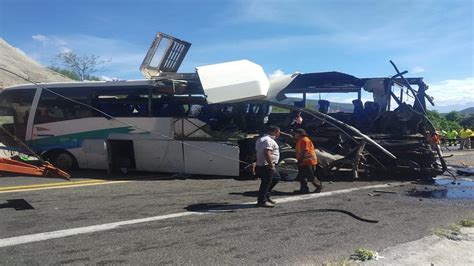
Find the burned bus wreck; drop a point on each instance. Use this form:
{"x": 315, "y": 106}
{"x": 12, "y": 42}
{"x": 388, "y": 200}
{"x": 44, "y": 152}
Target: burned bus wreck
{"x": 383, "y": 136}
{"x": 207, "y": 122}
{"x": 388, "y": 120}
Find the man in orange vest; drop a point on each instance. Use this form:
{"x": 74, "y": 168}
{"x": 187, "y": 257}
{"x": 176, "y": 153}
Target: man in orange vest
{"x": 307, "y": 161}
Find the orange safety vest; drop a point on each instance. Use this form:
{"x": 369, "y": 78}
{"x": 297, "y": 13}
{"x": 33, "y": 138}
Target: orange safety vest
{"x": 435, "y": 139}
{"x": 305, "y": 152}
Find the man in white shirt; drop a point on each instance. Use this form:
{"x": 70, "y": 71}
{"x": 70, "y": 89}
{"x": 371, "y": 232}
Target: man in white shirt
{"x": 268, "y": 155}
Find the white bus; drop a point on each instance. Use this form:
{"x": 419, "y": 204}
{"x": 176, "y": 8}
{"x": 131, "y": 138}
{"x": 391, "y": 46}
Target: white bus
{"x": 186, "y": 136}
{"x": 207, "y": 122}
{"x": 158, "y": 125}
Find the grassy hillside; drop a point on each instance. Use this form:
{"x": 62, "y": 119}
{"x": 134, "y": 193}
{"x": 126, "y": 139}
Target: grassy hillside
{"x": 18, "y": 62}
{"x": 467, "y": 111}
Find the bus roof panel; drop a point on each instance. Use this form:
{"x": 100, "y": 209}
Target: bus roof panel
{"x": 234, "y": 81}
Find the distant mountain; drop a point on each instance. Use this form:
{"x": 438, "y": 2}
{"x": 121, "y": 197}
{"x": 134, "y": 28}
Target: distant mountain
{"x": 449, "y": 108}
{"x": 18, "y": 62}
{"x": 467, "y": 111}
{"x": 313, "y": 104}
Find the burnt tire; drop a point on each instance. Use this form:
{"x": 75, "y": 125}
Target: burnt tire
{"x": 288, "y": 172}
{"x": 62, "y": 160}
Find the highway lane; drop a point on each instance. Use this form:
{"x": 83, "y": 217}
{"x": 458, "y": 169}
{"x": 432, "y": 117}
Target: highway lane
{"x": 293, "y": 232}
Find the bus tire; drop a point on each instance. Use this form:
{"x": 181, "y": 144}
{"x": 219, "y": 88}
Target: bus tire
{"x": 63, "y": 160}
{"x": 287, "y": 172}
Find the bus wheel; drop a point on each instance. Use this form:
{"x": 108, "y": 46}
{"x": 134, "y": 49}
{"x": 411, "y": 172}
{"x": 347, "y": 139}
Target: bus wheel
{"x": 288, "y": 167}
{"x": 62, "y": 160}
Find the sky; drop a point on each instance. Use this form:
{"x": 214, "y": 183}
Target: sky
{"x": 429, "y": 38}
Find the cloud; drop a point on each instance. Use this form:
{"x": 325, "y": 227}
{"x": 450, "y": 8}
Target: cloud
{"x": 453, "y": 92}
{"x": 106, "y": 78}
{"x": 65, "y": 50}
{"x": 277, "y": 73}
{"x": 417, "y": 69}
{"x": 121, "y": 58}
{"x": 443, "y": 32}
{"x": 40, "y": 38}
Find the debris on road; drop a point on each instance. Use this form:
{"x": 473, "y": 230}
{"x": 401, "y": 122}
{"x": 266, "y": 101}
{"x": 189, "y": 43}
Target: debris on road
{"x": 363, "y": 254}
{"x": 375, "y": 194}
{"x": 468, "y": 171}
{"x": 445, "y": 188}
{"x": 385, "y": 191}
{"x": 44, "y": 169}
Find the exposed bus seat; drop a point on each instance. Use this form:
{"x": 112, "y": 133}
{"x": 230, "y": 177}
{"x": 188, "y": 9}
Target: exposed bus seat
{"x": 114, "y": 109}
{"x": 252, "y": 116}
{"x": 208, "y": 115}
{"x": 358, "y": 116}
{"x": 137, "y": 106}
{"x": 225, "y": 117}
{"x": 371, "y": 109}
{"x": 358, "y": 107}
{"x": 175, "y": 110}
{"x": 324, "y": 106}
{"x": 138, "y": 109}
{"x": 239, "y": 113}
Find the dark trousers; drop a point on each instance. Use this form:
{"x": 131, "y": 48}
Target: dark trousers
{"x": 305, "y": 175}
{"x": 269, "y": 178}
{"x": 451, "y": 142}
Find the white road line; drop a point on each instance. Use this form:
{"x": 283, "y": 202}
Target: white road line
{"x": 331, "y": 193}
{"x": 12, "y": 241}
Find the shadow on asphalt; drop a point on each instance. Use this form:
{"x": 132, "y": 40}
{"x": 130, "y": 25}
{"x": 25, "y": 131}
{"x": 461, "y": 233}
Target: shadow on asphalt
{"x": 218, "y": 207}
{"x": 254, "y": 194}
{"x": 141, "y": 176}
{"x": 17, "y": 204}
{"x": 330, "y": 210}
{"x": 147, "y": 176}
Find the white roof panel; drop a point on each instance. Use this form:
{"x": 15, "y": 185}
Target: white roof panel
{"x": 233, "y": 81}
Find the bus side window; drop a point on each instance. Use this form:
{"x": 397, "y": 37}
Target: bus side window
{"x": 53, "y": 108}
{"x": 121, "y": 102}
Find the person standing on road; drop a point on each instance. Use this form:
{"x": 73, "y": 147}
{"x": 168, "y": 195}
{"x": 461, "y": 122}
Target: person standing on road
{"x": 465, "y": 135}
{"x": 268, "y": 155}
{"x": 307, "y": 161}
{"x": 452, "y": 135}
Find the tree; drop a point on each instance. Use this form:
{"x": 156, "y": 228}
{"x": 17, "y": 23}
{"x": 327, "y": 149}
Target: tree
{"x": 454, "y": 116}
{"x": 441, "y": 123}
{"x": 65, "y": 72}
{"x": 468, "y": 121}
{"x": 78, "y": 67}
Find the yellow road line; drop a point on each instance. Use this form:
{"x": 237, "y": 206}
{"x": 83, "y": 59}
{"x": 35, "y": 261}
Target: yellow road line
{"x": 100, "y": 182}
{"x": 52, "y": 184}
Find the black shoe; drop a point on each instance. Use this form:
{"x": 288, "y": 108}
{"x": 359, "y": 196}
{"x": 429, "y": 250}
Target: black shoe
{"x": 271, "y": 201}
{"x": 265, "y": 204}
{"x": 302, "y": 191}
{"x": 318, "y": 189}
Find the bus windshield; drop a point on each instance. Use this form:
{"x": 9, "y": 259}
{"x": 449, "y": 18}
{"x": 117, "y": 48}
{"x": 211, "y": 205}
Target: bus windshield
{"x": 19, "y": 103}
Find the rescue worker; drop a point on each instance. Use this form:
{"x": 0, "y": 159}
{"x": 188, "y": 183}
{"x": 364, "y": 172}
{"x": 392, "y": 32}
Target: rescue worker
{"x": 465, "y": 135}
{"x": 268, "y": 155}
{"x": 307, "y": 161}
{"x": 452, "y": 135}
{"x": 435, "y": 141}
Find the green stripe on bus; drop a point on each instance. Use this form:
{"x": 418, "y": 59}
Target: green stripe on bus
{"x": 77, "y": 138}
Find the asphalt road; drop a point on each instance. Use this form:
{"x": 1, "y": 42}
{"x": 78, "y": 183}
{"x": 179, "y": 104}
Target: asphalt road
{"x": 182, "y": 230}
